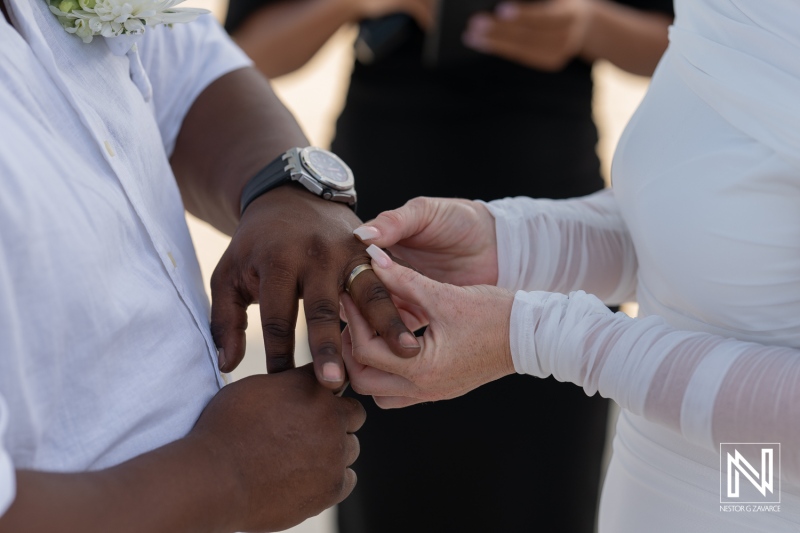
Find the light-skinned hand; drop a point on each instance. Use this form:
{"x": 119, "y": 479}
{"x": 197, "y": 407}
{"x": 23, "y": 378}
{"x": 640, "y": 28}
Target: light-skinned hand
{"x": 545, "y": 35}
{"x": 465, "y": 345}
{"x": 448, "y": 240}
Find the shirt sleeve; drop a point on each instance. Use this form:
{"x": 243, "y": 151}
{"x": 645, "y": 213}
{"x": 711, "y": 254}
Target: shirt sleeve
{"x": 709, "y": 388}
{"x": 565, "y": 245}
{"x": 7, "y": 477}
{"x": 181, "y": 61}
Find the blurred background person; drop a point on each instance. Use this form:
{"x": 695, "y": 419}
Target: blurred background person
{"x": 516, "y": 120}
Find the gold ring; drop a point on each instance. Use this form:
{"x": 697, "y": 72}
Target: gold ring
{"x": 354, "y": 274}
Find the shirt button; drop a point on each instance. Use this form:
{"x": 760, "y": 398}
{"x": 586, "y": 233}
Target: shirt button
{"x": 174, "y": 263}
{"x": 109, "y": 149}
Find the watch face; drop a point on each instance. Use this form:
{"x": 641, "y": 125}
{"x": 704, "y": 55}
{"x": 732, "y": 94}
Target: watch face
{"x": 328, "y": 168}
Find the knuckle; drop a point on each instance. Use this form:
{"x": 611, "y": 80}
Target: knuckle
{"x": 382, "y": 402}
{"x": 396, "y": 324}
{"x": 279, "y": 362}
{"x": 277, "y": 328}
{"x": 318, "y": 248}
{"x": 326, "y": 349}
{"x": 419, "y": 203}
{"x": 358, "y": 409}
{"x": 406, "y": 276}
{"x": 355, "y": 450}
{"x": 358, "y": 386}
{"x": 418, "y": 207}
{"x": 279, "y": 271}
{"x": 322, "y": 311}
{"x": 217, "y": 279}
{"x": 218, "y": 330}
{"x": 392, "y": 218}
{"x": 360, "y": 355}
{"x": 337, "y": 485}
{"x": 375, "y": 293}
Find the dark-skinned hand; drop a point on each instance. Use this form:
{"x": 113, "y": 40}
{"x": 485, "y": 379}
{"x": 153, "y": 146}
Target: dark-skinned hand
{"x": 292, "y": 244}
{"x": 286, "y": 443}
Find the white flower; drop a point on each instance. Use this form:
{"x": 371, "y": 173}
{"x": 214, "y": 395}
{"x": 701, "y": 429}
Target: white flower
{"x": 111, "y": 18}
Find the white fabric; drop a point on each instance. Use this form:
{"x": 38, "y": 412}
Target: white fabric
{"x": 7, "y": 481}
{"x": 543, "y": 244}
{"x": 105, "y": 349}
{"x": 707, "y": 187}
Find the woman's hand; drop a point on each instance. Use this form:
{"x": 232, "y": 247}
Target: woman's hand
{"x": 545, "y": 35}
{"x": 548, "y": 34}
{"x": 465, "y": 345}
{"x": 452, "y": 241}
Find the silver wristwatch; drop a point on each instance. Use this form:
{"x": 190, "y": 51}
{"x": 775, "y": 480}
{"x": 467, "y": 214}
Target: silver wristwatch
{"x": 320, "y": 171}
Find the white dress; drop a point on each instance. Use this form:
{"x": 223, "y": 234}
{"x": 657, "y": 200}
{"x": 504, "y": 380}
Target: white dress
{"x": 703, "y": 230}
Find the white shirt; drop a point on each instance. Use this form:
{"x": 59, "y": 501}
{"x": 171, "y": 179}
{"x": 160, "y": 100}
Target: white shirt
{"x": 703, "y": 226}
{"x": 105, "y": 349}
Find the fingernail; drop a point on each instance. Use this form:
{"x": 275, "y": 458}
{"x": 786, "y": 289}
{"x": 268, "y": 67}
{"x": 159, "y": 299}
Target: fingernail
{"x": 366, "y": 233}
{"x": 221, "y": 358}
{"x": 331, "y": 372}
{"x": 380, "y": 257}
{"x": 407, "y": 340}
{"x": 507, "y": 11}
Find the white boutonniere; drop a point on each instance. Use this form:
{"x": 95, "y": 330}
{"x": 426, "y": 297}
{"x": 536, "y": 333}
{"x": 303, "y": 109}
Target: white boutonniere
{"x": 113, "y": 18}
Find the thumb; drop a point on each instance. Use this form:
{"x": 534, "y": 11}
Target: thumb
{"x": 391, "y": 227}
{"x": 403, "y": 282}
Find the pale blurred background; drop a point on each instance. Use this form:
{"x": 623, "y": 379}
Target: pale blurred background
{"x": 315, "y": 94}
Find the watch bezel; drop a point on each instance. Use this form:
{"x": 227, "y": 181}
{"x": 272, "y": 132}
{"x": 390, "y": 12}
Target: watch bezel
{"x": 319, "y": 176}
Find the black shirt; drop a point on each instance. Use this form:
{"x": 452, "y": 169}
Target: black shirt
{"x": 489, "y": 129}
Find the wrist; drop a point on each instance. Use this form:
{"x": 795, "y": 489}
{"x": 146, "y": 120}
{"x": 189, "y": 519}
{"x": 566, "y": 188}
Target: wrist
{"x": 490, "y": 262}
{"x": 225, "y": 498}
{"x": 593, "y": 29}
{"x": 505, "y": 361}
{"x": 321, "y": 172}
{"x": 352, "y": 10}
{"x": 495, "y": 309}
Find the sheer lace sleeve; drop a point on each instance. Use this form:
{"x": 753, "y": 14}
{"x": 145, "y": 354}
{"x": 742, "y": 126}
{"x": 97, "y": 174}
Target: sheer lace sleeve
{"x": 709, "y": 388}
{"x": 7, "y": 482}
{"x": 565, "y": 245}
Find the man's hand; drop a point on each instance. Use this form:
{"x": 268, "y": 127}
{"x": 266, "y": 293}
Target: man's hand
{"x": 292, "y": 244}
{"x": 267, "y": 453}
{"x": 452, "y": 241}
{"x": 287, "y": 441}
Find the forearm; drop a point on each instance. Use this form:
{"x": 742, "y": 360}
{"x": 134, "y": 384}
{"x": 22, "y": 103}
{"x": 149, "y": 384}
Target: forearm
{"x": 179, "y": 487}
{"x": 632, "y": 39}
{"x": 565, "y": 245}
{"x": 283, "y": 36}
{"x": 234, "y": 128}
{"x": 709, "y": 388}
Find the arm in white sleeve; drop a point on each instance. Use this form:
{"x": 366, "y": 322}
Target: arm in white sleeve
{"x": 181, "y": 61}
{"x": 565, "y": 245}
{"x": 708, "y": 388}
{"x": 7, "y": 477}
